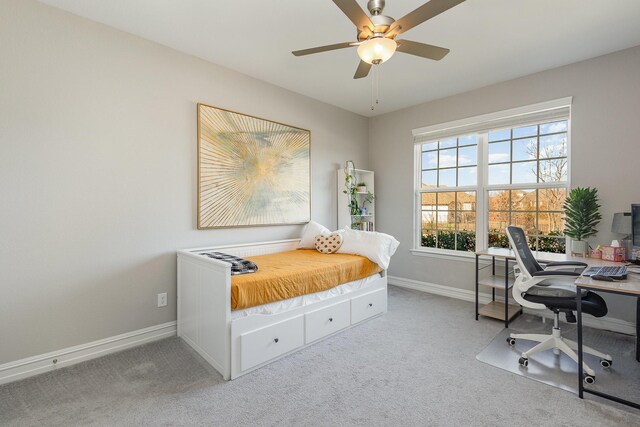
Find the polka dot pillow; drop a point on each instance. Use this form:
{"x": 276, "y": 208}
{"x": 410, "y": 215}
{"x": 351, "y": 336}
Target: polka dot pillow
{"x": 328, "y": 243}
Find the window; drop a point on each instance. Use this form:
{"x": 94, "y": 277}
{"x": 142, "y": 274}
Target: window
{"x": 449, "y": 218}
{"x": 522, "y": 180}
{"x": 534, "y": 156}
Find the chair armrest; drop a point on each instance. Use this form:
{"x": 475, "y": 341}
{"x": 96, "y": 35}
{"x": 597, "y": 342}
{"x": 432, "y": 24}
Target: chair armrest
{"x": 567, "y": 263}
{"x": 555, "y": 273}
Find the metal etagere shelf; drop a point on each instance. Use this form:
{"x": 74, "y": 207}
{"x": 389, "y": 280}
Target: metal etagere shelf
{"x": 496, "y": 309}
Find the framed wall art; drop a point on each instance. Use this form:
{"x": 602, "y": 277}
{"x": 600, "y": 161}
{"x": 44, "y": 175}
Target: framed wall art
{"x": 251, "y": 171}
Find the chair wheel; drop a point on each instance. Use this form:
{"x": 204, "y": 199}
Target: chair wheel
{"x": 523, "y": 362}
{"x": 606, "y": 363}
{"x": 511, "y": 341}
{"x": 589, "y": 379}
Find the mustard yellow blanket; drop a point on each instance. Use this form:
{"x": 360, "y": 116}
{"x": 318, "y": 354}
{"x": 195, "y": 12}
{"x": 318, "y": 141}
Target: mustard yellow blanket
{"x": 290, "y": 274}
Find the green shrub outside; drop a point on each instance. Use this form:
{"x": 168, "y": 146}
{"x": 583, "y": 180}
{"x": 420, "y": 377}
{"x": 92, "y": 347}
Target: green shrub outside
{"x": 467, "y": 241}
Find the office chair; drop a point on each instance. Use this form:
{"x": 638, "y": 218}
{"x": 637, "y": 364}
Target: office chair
{"x": 552, "y": 288}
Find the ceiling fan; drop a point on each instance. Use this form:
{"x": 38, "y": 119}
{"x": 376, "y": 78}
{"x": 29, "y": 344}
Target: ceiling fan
{"x": 377, "y": 33}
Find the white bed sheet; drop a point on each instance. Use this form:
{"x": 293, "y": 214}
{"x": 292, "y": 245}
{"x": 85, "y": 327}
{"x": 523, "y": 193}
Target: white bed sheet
{"x": 302, "y": 300}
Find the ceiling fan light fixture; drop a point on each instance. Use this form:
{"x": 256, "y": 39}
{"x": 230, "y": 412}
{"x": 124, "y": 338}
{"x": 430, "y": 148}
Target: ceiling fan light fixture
{"x": 377, "y": 50}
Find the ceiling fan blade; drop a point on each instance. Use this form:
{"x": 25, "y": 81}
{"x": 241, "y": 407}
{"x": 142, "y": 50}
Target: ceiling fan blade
{"x": 421, "y": 49}
{"x": 323, "y": 48}
{"x": 355, "y": 13}
{"x": 423, "y": 13}
{"x": 393, "y": 30}
{"x": 363, "y": 70}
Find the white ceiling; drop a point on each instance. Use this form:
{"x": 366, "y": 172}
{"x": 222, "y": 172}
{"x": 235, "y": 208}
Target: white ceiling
{"x": 490, "y": 41}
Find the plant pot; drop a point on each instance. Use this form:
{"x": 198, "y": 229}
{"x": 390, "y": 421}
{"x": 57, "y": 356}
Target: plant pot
{"x": 362, "y": 189}
{"x": 579, "y": 246}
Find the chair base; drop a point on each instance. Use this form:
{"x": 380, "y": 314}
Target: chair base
{"x": 559, "y": 344}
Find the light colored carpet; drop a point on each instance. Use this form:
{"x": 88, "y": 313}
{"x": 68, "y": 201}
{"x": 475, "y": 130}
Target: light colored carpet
{"x": 621, "y": 379}
{"x": 413, "y": 366}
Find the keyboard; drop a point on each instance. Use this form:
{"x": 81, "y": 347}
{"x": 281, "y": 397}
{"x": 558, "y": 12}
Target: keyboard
{"x": 615, "y": 272}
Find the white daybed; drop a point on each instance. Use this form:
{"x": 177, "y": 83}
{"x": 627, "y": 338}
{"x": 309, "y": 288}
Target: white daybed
{"x": 235, "y": 345}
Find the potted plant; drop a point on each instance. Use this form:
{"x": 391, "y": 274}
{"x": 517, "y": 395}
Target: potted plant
{"x": 368, "y": 198}
{"x": 362, "y": 187}
{"x": 350, "y": 187}
{"x": 582, "y": 215}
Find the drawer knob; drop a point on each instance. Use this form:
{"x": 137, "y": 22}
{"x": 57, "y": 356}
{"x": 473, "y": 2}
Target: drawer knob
{"x": 330, "y": 319}
{"x": 276, "y": 340}
{"x": 370, "y": 304}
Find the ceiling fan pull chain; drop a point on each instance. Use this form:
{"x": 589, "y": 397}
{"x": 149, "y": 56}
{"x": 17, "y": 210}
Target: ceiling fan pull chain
{"x": 377, "y": 84}
{"x": 373, "y": 88}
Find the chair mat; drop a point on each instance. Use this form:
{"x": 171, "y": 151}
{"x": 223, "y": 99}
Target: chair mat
{"x": 622, "y": 379}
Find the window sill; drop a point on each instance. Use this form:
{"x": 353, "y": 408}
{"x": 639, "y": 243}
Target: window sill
{"x": 542, "y": 257}
{"x": 445, "y": 254}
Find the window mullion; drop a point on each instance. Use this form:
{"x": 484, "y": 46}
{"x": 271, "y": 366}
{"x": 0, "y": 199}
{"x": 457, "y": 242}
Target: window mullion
{"x": 541, "y": 185}
{"x": 447, "y": 189}
{"x": 481, "y": 196}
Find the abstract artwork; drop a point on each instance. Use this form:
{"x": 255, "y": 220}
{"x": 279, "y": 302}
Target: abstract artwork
{"x": 251, "y": 171}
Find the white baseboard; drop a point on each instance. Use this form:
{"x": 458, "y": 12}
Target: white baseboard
{"x": 432, "y": 288}
{"x": 35, "y": 365}
{"x": 606, "y": 323}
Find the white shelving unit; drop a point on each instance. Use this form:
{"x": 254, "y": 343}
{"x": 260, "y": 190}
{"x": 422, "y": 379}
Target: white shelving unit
{"x": 345, "y": 219}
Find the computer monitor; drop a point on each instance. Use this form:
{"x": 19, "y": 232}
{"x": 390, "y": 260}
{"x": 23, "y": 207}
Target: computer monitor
{"x": 635, "y": 227}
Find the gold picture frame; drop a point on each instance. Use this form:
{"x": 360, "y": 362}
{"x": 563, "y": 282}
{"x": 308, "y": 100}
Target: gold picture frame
{"x": 251, "y": 171}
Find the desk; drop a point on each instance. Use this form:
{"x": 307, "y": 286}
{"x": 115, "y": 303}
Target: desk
{"x": 629, "y": 287}
{"x": 506, "y": 311}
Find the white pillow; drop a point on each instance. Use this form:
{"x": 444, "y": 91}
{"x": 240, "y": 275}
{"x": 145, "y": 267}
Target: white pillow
{"x": 378, "y": 247}
{"x": 308, "y": 238}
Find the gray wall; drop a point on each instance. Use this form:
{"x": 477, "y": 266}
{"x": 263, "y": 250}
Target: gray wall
{"x": 98, "y": 173}
{"x": 605, "y": 153}
{"x": 98, "y": 167}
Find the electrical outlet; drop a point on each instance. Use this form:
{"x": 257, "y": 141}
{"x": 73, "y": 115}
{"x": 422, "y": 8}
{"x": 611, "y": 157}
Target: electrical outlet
{"x": 162, "y": 299}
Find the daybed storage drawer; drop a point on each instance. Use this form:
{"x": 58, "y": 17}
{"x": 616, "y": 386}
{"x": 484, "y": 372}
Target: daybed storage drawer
{"x": 368, "y": 305}
{"x": 326, "y": 320}
{"x": 263, "y": 344}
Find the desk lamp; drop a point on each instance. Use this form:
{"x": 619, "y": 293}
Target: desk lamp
{"x": 622, "y": 225}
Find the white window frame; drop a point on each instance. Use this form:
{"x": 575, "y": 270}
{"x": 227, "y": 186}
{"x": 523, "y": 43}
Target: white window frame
{"x": 481, "y": 125}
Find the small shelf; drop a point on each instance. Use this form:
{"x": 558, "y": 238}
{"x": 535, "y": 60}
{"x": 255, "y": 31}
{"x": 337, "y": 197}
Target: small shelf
{"x": 495, "y": 310}
{"x": 349, "y": 198}
{"x": 496, "y": 282}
